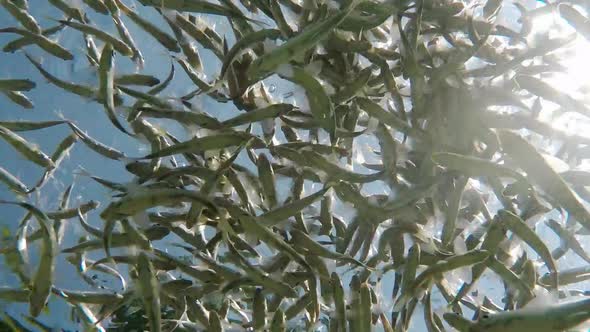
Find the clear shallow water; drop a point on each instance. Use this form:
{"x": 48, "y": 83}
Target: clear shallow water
{"x": 52, "y": 103}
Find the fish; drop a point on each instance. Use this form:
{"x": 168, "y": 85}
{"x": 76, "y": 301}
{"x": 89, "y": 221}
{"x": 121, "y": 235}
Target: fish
{"x": 13, "y": 182}
{"x": 513, "y": 223}
{"x": 148, "y": 287}
{"x": 43, "y": 42}
{"x": 117, "y": 44}
{"x": 297, "y": 45}
{"x": 71, "y": 12}
{"x": 43, "y": 279}
{"x": 22, "y": 16}
{"x": 28, "y": 150}
{"x": 17, "y": 84}
{"x": 21, "y": 42}
{"x": 162, "y": 37}
{"x": 107, "y": 85}
{"x": 568, "y": 239}
{"x": 541, "y": 173}
{"x": 548, "y": 318}
{"x": 126, "y": 37}
{"x": 244, "y": 43}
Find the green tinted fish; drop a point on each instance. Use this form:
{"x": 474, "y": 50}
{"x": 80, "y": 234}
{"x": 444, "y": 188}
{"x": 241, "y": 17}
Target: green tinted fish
{"x": 186, "y": 118}
{"x": 17, "y": 84}
{"x": 540, "y": 172}
{"x": 199, "y": 144}
{"x": 199, "y": 81}
{"x": 189, "y": 49}
{"x": 43, "y": 42}
{"x": 474, "y": 166}
{"x": 335, "y": 171}
{"x": 116, "y": 43}
{"x": 303, "y": 240}
{"x": 117, "y": 240}
{"x": 202, "y": 37}
{"x": 260, "y": 114}
{"x": 509, "y": 277}
{"x": 21, "y": 42}
{"x": 495, "y": 234}
{"x": 26, "y": 149}
{"x": 87, "y": 297}
{"x": 22, "y": 16}
{"x": 214, "y": 322}
{"x": 147, "y": 97}
{"x": 548, "y": 318}
{"x": 149, "y": 291}
{"x": 112, "y": 6}
{"x": 320, "y": 104}
{"x": 197, "y": 6}
{"x": 71, "y": 12}
{"x": 451, "y": 263}
{"x": 128, "y": 39}
{"x": 61, "y": 151}
{"x": 137, "y": 79}
{"x": 135, "y": 235}
{"x": 374, "y": 110}
{"x": 14, "y": 294}
{"x": 522, "y": 230}
{"x": 96, "y": 146}
{"x": 92, "y": 52}
{"x": 29, "y": 125}
{"x": 98, "y": 6}
{"x": 259, "y": 276}
{"x": 176, "y": 287}
{"x": 244, "y": 43}
{"x": 196, "y": 312}
{"x": 339, "y": 302}
{"x": 74, "y": 88}
{"x": 297, "y": 45}
{"x": 429, "y": 316}
{"x": 144, "y": 199}
{"x": 529, "y": 276}
{"x": 277, "y": 323}
{"x": 254, "y": 228}
{"x": 290, "y": 209}
{"x": 13, "y": 182}
{"x": 410, "y": 266}
{"x": 43, "y": 279}
{"x": 353, "y": 89}
{"x": 162, "y": 37}
{"x": 207, "y": 188}
{"x": 18, "y": 98}
{"x": 259, "y": 310}
{"x": 452, "y": 211}
{"x": 267, "y": 180}
{"x": 87, "y": 227}
{"x": 106, "y": 72}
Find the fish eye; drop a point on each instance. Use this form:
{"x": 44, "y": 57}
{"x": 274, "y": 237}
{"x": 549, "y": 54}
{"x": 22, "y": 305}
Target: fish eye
{"x": 485, "y": 316}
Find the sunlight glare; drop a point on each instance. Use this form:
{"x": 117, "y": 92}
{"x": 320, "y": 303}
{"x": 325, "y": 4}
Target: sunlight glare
{"x": 573, "y": 82}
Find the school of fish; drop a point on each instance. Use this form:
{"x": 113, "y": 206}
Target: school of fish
{"x": 438, "y": 164}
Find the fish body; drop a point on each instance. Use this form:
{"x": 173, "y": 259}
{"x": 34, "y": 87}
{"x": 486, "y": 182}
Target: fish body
{"x": 553, "y": 318}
